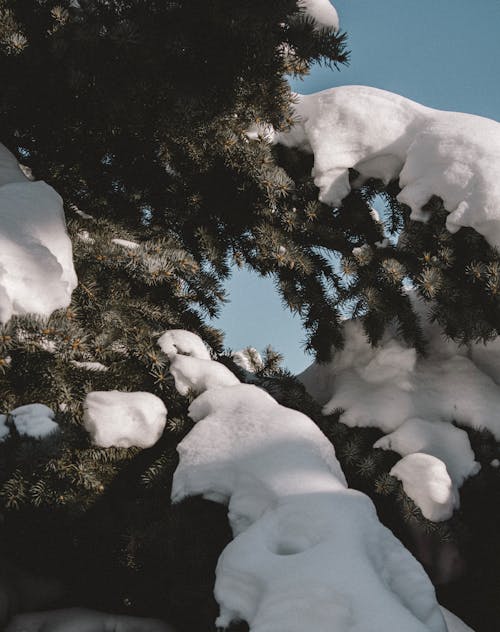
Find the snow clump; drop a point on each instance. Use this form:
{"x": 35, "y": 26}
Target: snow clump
{"x": 36, "y": 262}
{"x": 308, "y": 553}
{"x": 427, "y": 482}
{"x": 248, "y": 359}
{"x": 414, "y": 400}
{"x": 441, "y": 440}
{"x": 124, "y": 420}
{"x": 322, "y": 12}
{"x": 34, "y": 420}
{"x": 452, "y": 155}
{"x": 196, "y": 375}
{"x": 177, "y": 341}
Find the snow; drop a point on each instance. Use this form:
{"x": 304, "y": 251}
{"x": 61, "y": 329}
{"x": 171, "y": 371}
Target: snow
{"x": 383, "y": 135}
{"x": 386, "y": 385}
{"x": 414, "y": 399}
{"x": 196, "y": 375}
{"x": 322, "y": 12}
{"x": 454, "y": 623}
{"x": 36, "y": 264}
{"x": 123, "y": 420}
{"x": 180, "y": 341}
{"x": 441, "y": 440}
{"x": 10, "y": 170}
{"x": 427, "y": 482}
{"x": 308, "y": 553}
{"x": 89, "y": 366}
{"x": 126, "y": 243}
{"x": 4, "y": 429}
{"x": 248, "y": 359}
{"x": 83, "y": 620}
{"x": 34, "y": 420}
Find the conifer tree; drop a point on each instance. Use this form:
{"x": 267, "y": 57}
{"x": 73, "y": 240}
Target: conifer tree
{"x": 139, "y": 113}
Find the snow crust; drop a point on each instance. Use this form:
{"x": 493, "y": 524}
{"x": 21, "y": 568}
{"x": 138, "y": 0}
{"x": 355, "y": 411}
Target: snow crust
{"x": 452, "y": 155}
{"x": 308, "y": 553}
{"x": 34, "y": 420}
{"x": 323, "y": 13}
{"x": 176, "y": 341}
{"x": 83, "y": 620}
{"x": 123, "y": 420}
{"x": 36, "y": 262}
{"x": 427, "y": 482}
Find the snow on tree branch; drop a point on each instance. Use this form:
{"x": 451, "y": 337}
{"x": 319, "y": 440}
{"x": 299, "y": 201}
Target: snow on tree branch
{"x": 322, "y": 11}
{"x": 414, "y": 400}
{"x": 308, "y": 553}
{"x": 451, "y": 155}
{"x": 36, "y": 263}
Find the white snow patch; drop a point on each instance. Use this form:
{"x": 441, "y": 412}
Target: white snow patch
{"x": 322, "y": 11}
{"x": 308, "y": 553}
{"x": 386, "y": 385}
{"x": 452, "y": 155}
{"x": 441, "y": 440}
{"x": 126, "y": 243}
{"x": 83, "y": 620}
{"x": 34, "y": 420}
{"x": 177, "y": 341}
{"x": 36, "y": 263}
{"x": 123, "y": 420}
{"x": 427, "y": 482}
{"x": 197, "y": 375}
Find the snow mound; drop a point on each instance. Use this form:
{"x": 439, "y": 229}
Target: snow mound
{"x": 177, "y": 341}
{"x": 323, "y": 13}
{"x": 34, "y": 420}
{"x": 441, "y": 440}
{"x": 386, "y": 385}
{"x": 123, "y": 420}
{"x": 263, "y": 451}
{"x": 308, "y": 553}
{"x": 36, "y": 262}
{"x": 427, "y": 482}
{"x": 452, "y": 155}
{"x": 197, "y": 375}
{"x": 83, "y": 620}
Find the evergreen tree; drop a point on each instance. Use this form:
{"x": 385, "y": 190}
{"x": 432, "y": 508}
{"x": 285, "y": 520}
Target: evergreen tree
{"x": 138, "y": 114}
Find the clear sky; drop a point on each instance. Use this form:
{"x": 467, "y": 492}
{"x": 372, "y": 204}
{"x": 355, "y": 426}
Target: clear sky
{"x": 442, "y": 53}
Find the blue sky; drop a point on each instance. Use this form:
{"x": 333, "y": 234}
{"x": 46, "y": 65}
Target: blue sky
{"x": 442, "y": 53}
